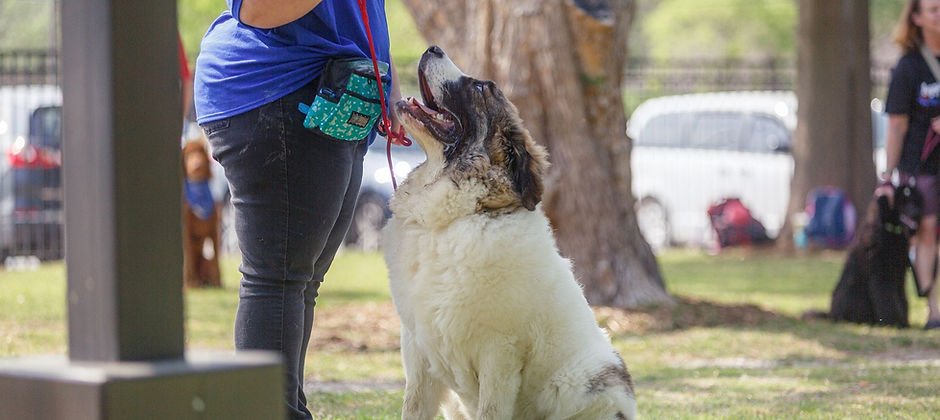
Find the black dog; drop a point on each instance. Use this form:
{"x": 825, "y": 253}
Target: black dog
{"x": 871, "y": 288}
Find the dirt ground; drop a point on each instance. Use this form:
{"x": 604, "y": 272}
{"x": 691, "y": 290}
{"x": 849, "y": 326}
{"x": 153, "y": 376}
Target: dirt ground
{"x": 375, "y": 326}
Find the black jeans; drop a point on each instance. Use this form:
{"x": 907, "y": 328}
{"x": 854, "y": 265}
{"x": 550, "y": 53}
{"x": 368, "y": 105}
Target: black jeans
{"x": 294, "y": 193}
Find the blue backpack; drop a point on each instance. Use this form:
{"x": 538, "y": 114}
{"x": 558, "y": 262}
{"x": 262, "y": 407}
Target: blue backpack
{"x": 831, "y": 218}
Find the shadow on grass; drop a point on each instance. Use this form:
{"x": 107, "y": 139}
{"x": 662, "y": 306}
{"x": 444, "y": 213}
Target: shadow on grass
{"x": 853, "y": 339}
{"x": 687, "y": 313}
{"x": 335, "y": 297}
{"x": 362, "y": 327}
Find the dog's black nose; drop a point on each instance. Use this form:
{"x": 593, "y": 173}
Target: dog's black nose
{"x": 434, "y": 49}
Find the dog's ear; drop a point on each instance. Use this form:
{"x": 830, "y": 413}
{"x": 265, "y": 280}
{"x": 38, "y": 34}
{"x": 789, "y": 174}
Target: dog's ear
{"x": 525, "y": 161}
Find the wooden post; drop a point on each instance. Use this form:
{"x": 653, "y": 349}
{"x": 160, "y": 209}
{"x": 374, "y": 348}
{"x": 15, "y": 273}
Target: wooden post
{"x": 122, "y": 181}
{"x": 121, "y": 101}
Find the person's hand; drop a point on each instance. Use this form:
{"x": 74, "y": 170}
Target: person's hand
{"x": 885, "y": 189}
{"x": 935, "y": 124}
{"x": 396, "y": 131}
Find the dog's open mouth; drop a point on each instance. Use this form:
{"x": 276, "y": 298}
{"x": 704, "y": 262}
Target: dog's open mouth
{"x": 437, "y": 119}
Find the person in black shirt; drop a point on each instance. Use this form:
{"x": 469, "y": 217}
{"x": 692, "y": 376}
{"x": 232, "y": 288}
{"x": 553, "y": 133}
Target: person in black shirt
{"x": 913, "y": 107}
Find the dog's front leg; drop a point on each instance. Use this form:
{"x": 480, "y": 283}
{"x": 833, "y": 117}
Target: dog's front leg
{"x": 453, "y": 408}
{"x": 500, "y": 377}
{"x": 423, "y": 393}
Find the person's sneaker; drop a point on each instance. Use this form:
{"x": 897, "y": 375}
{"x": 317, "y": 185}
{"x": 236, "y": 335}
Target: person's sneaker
{"x": 933, "y": 323}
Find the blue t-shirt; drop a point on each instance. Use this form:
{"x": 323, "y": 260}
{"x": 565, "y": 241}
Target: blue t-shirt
{"x": 240, "y": 67}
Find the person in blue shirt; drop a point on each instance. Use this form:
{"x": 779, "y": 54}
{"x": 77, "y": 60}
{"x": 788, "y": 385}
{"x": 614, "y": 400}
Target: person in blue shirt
{"x": 293, "y": 189}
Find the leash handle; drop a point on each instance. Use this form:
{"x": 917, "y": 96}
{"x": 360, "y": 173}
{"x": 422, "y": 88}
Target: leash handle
{"x": 386, "y": 125}
{"x": 929, "y": 144}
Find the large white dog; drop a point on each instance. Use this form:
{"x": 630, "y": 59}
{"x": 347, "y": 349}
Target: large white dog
{"x": 494, "y": 325}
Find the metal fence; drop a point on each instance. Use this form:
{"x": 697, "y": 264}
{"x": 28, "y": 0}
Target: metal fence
{"x": 647, "y": 78}
{"x": 29, "y": 67}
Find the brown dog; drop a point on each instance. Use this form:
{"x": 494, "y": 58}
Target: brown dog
{"x": 200, "y": 219}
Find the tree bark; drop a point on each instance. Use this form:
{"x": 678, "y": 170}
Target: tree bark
{"x": 833, "y": 144}
{"x": 561, "y": 62}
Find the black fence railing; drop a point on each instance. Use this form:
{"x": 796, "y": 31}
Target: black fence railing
{"x": 648, "y": 78}
{"x": 690, "y": 75}
{"x": 28, "y": 67}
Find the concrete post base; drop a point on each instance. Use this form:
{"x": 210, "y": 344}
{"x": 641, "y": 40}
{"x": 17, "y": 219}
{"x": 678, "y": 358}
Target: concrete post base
{"x": 204, "y": 385}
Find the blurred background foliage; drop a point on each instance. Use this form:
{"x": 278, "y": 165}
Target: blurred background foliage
{"x": 25, "y": 24}
{"x": 723, "y": 28}
{"x": 739, "y": 29}
{"x": 662, "y": 29}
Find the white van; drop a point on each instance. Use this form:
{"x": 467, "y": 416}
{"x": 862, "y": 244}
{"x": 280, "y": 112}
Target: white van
{"x": 690, "y": 151}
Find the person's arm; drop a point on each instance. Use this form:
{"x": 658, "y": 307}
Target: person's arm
{"x": 267, "y": 14}
{"x": 393, "y": 97}
{"x": 894, "y": 138}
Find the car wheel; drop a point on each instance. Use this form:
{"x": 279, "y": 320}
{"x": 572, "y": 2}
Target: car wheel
{"x": 653, "y": 222}
{"x": 368, "y": 219}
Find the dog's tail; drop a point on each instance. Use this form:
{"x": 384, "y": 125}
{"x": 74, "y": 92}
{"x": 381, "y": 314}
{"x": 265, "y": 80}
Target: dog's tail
{"x": 815, "y": 315}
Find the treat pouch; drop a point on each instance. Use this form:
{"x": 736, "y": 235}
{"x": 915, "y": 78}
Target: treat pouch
{"x": 347, "y": 104}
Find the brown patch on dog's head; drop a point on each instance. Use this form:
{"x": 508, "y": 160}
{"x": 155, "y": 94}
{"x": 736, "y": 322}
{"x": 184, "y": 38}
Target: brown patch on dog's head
{"x": 469, "y": 128}
{"x": 196, "y": 165}
{"x": 513, "y": 150}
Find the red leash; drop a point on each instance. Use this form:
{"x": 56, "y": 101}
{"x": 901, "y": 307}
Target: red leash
{"x": 386, "y": 125}
{"x": 932, "y": 140}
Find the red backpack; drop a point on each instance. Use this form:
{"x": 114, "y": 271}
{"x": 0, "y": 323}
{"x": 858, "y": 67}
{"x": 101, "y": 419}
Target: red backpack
{"x": 734, "y": 224}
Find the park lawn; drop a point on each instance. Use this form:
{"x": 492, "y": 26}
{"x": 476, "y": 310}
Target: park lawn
{"x": 733, "y": 347}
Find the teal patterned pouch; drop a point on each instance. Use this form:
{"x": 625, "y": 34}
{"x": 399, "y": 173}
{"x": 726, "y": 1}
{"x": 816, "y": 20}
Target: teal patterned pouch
{"x": 347, "y": 104}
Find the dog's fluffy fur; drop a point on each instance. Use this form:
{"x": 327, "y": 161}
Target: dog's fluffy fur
{"x": 494, "y": 325}
{"x": 198, "y": 270}
{"x": 871, "y": 287}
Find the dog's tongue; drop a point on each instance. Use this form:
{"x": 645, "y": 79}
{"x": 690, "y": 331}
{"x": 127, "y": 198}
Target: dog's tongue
{"x": 424, "y": 107}
{"x": 442, "y": 119}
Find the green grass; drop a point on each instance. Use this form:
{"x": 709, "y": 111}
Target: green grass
{"x": 733, "y": 348}
{"x": 359, "y": 406}
{"x": 355, "y": 278}
{"x": 32, "y": 311}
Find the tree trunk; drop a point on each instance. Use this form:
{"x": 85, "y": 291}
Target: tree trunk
{"x": 833, "y": 144}
{"x": 561, "y": 62}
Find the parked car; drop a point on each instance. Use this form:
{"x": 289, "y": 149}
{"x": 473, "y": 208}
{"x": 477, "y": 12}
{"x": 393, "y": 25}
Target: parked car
{"x": 372, "y": 208}
{"x": 690, "y": 151}
{"x": 31, "y": 215}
